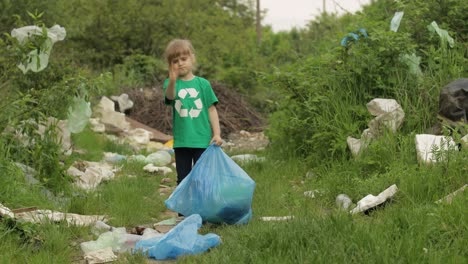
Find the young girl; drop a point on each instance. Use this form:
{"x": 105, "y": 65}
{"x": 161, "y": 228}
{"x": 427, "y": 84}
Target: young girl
{"x": 195, "y": 121}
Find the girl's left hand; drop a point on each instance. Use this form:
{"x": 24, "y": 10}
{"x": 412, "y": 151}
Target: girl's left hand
{"x": 217, "y": 140}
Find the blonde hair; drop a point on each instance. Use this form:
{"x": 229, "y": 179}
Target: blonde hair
{"x": 178, "y": 47}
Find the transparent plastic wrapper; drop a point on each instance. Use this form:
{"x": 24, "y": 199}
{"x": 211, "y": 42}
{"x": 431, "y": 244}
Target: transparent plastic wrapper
{"x": 117, "y": 239}
{"x": 183, "y": 239}
{"x": 395, "y": 23}
{"x": 443, "y": 34}
{"x": 78, "y": 115}
{"x": 159, "y": 158}
{"x": 412, "y": 61}
{"x": 38, "y": 59}
{"x": 217, "y": 189}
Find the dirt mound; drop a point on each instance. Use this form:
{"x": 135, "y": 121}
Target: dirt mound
{"x": 234, "y": 112}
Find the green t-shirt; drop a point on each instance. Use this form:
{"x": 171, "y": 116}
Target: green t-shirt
{"x": 190, "y": 118}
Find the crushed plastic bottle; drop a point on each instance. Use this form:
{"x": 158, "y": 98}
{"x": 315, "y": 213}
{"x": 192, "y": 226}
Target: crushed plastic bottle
{"x": 343, "y": 201}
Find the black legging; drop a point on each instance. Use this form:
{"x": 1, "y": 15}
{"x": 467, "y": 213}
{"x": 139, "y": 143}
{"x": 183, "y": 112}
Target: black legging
{"x": 184, "y": 158}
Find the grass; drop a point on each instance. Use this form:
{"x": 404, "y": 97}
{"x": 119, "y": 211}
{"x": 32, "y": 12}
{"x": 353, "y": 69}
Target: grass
{"x": 410, "y": 229}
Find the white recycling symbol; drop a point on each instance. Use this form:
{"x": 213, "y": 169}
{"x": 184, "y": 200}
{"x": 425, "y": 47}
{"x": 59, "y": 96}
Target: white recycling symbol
{"x": 197, "y": 102}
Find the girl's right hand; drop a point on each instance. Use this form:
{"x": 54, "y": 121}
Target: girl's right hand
{"x": 173, "y": 72}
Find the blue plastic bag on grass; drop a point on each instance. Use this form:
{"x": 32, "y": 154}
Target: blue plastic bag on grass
{"x": 183, "y": 239}
{"x": 217, "y": 189}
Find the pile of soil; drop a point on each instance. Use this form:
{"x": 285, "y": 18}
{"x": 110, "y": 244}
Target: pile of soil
{"x": 234, "y": 112}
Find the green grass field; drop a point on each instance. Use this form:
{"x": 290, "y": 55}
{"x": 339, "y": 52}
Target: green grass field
{"x": 412, "y": 228}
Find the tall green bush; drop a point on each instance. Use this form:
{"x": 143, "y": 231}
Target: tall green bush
{"x": 323, "y": 98}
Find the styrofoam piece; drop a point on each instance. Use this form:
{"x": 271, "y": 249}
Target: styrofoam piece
{"x": 109, "y": 116}
{"x": 276, "y": 218}
{"x": 448, "y": 199}
{"x": 139, "y": 135}
{"x": 40, "y": 216}
{"x": 426, "y": 145}
{"x": 380, "y": 106}
{"x": 371, "y": 201}
{"x": 124, "y": 102}
{"x": 247, "y": 158}
{"x": 6, "y": 211}
{"x": 104, "y": 255}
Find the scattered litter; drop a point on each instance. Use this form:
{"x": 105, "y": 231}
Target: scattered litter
{"x": 153, "y": 146}
{"x": 183, "y": 239}
{"x": 163, "y": 228}
{"x": 78, "y": 115}
{"x": 313, "y": 193}
{"x": 431, "y": 148}
{"x": 41, "y": 216}
{"x": 371, "y": 201}
{"x": 276, "y": 218}
{"x": 96, "y": 125}
{"x": 388, "y": 115}
{"x": 114, "y": 157}
{"x": 109, "y": 116}
{"x": 138, "y": 158}
{"x": 124, "y": 102}
{"x": 247, "y": 158}
{"x": 343, "y": 201}
{"x": 61, "y": 130}
{"x": 6, "y": 211}
{"x": 90, "y": 174}
{"x": 443, "y": 34}
{"x": 353, "y": 37}
{"x": 38, "y": 59}
{"x": 453, "y": 101}
{"x": 152, "y": 168}
{"x": 157, "y": 135}
{"x": 166, "y": 180}
{"x": 117, "y": 239}
{"x": 412, "y": 61}
{"x": 246, "y": 141}
{"x": 395, "y": 23}
{"x": 139, "y": 136}
{"x": 159, "y": 158}
{"x": 448, "y": 199}
{"x": 29, "y": 175}
{"x": 104, "y": 255}
{"x": 170, "y": 221}
{"x": 310, "y": 174}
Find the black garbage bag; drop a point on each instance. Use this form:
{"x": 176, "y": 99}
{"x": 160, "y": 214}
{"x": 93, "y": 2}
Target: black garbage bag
{"x": 453, "y": 101}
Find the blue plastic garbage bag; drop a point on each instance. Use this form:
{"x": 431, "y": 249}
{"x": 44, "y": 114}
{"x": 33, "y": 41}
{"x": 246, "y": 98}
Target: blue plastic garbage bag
{"x": 353, "y": 36}
{"x": 217, "y": 189}
{"x": 183, "y": 239}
